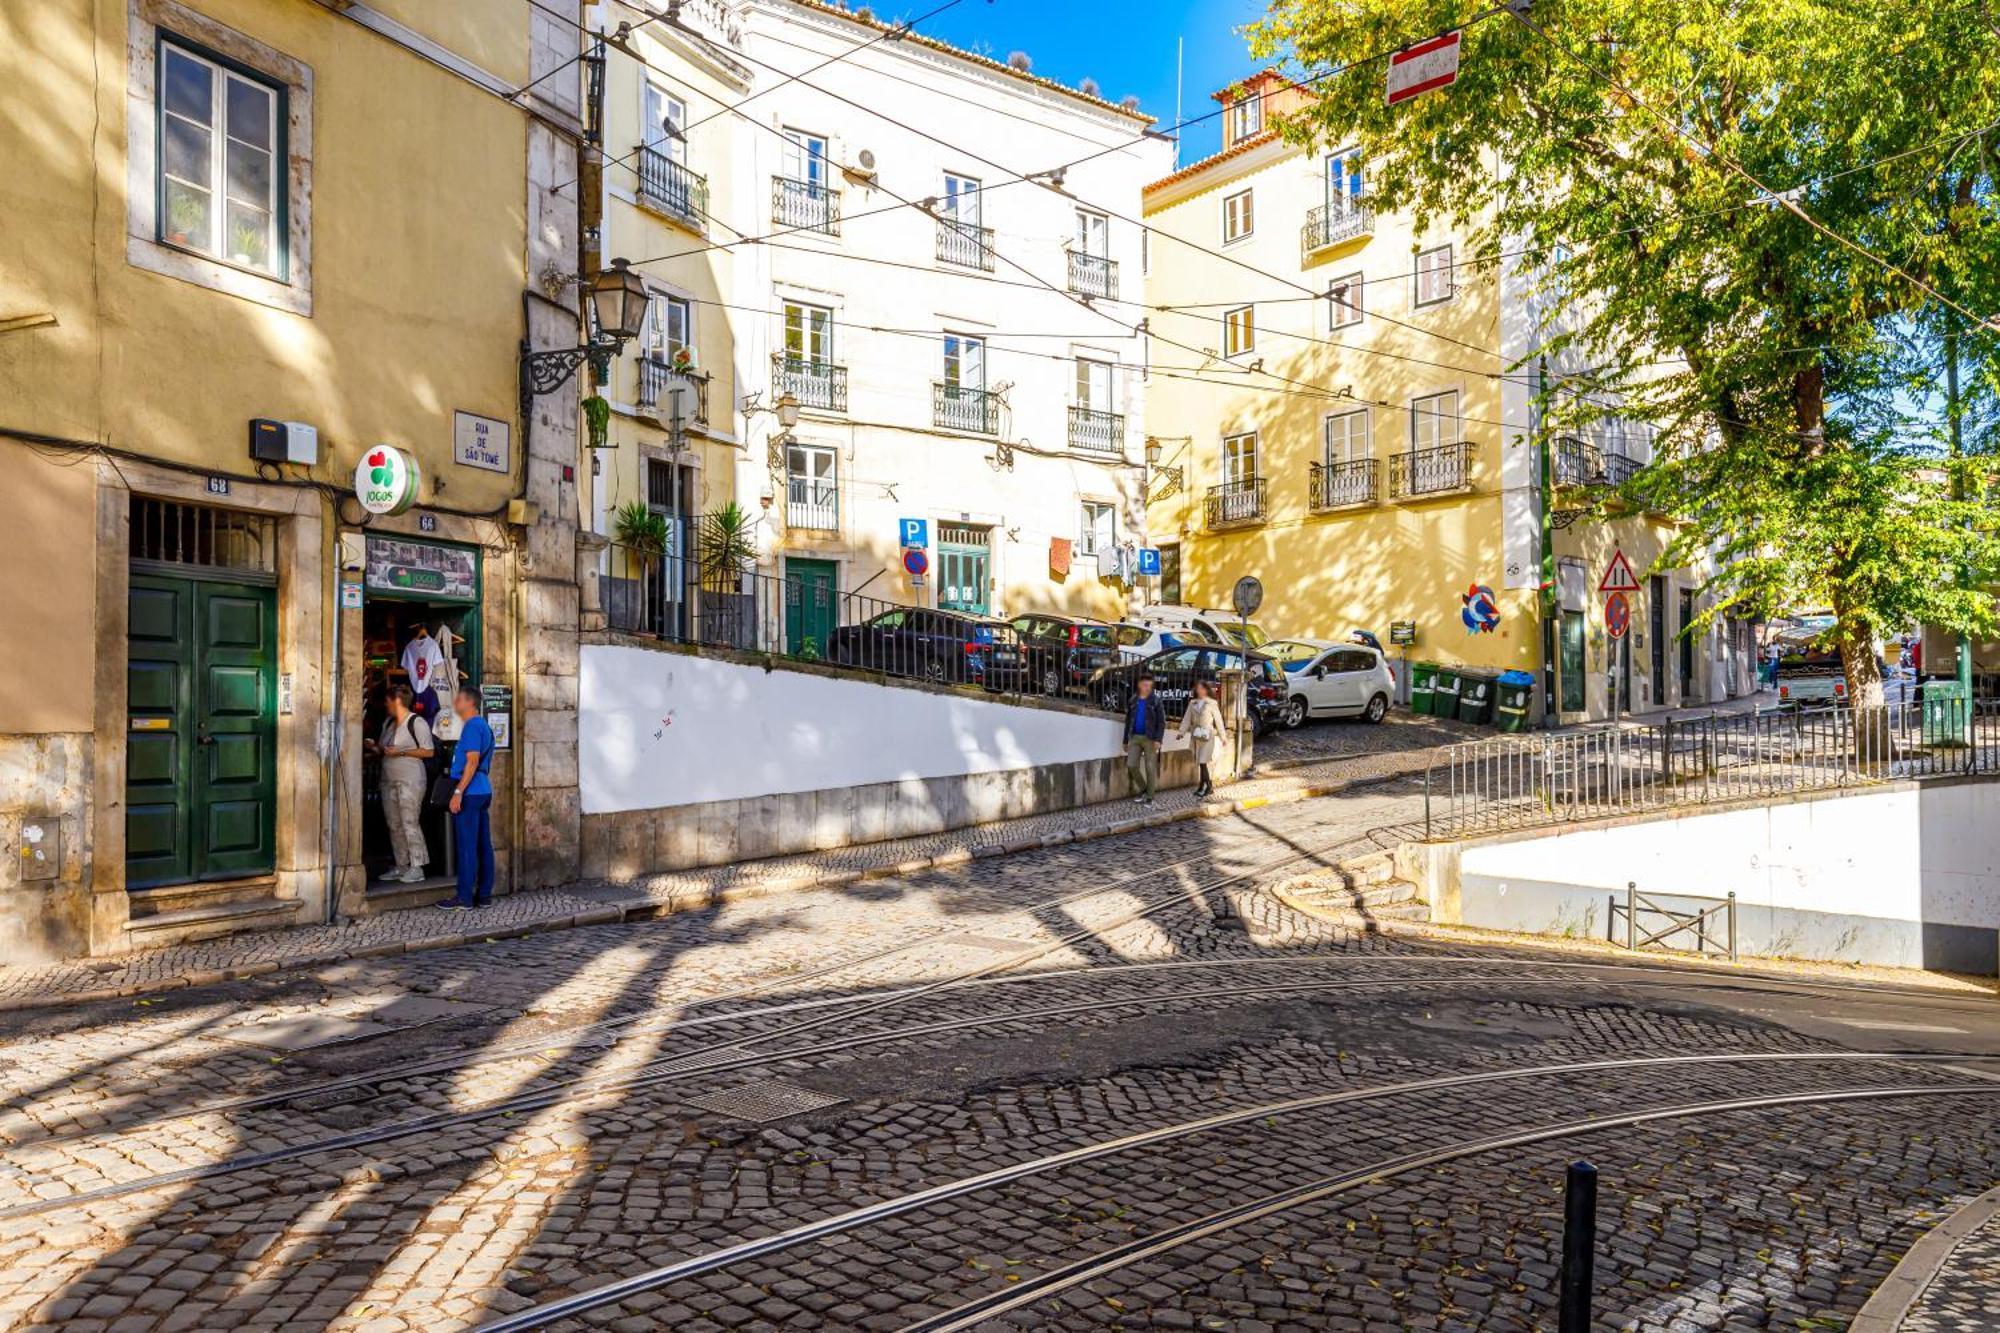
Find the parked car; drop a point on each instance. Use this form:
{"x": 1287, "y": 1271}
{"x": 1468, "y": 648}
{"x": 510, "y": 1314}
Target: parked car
{"x": 1064, "y": 652}
{"x": 1213, "y": 626}
{"x": 1341, "y": 680}
{"x": 1136, "y": 641}
{"x": 1175, "y": 671}
{"x": 934, "y": 645}
{"x": 1296, "y": 655}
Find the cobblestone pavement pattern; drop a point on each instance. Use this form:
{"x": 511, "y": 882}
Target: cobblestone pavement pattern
{"x": 1165, "y": 997}
{"x": 1964, "y": 1297}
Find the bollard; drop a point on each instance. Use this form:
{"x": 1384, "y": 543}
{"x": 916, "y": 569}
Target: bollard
{"x": 1579, "y": 1249}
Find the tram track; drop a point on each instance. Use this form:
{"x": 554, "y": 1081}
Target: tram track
{"x": 853, "y": 1220}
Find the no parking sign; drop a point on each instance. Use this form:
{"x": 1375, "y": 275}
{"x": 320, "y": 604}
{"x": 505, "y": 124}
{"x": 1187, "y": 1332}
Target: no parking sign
{"x": 1617, "y": 615}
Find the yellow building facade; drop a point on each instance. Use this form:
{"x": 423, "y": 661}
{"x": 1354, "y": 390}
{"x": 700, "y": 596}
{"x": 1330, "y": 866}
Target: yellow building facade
{"x": 244, "y": 249}
{"x": 1337, "y": 408}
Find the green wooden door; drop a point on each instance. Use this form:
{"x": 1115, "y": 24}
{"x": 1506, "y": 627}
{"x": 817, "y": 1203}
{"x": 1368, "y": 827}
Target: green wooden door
{"x": 201, "y": 753}
{"x": 809, "y": 605}
{"x": 962, "y": 578}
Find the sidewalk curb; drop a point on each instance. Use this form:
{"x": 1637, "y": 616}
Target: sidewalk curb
{"x": 1910, "y": 1278}
{"x": 639, "y": 907}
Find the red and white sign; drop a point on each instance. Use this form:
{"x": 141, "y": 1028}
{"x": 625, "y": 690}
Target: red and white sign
{"x": 1617, "y": 615}
{"x": 1618, "y": 575}
{"x": 1427, "y": 65}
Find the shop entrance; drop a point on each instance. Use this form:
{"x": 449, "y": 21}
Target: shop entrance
{"x": 420, "y": 628}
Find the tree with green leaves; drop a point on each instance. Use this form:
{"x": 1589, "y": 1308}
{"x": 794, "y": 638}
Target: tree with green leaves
{"x": 1773, "y": 212}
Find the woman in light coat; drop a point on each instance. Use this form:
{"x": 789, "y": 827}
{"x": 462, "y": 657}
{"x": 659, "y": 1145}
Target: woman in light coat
{"x": 405, "y": 746}
{"x": 1201, "y": 724}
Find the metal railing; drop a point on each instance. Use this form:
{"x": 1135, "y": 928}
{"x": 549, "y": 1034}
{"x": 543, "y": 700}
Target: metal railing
{"x": 1665, "y": 922}
{"x": 689, "y": 599}
{"x": 1581, "y": 463}
{"x": 672, "y": 188}
{"x": 1099, "y": 432}
{"x": 961, "y": 407}
{"x": 965, "y": 244}
{"x": 805, "y": 205}
{"x": 1512, "y": 782}
{"x": 1234, "y": 502}
{"x": 811, "y": 503}
{"x": 659, "y": 381}
{"x": 1341, "y": 485}
{"x": 1438, "y": 470}
{"x": 817, "y": 384}
{"x": 1331, "y": 224}
{"x": 1093, "y": 275}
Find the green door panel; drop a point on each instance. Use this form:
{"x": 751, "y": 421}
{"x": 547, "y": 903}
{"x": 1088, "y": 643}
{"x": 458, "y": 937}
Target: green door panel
{"x": 809, "y": 605}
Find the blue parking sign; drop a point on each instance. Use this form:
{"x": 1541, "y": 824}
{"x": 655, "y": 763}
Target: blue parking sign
{"x": 1149, "y": 562}
{"x": 916, "y": 532}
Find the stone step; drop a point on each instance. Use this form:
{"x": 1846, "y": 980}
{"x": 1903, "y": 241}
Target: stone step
{"x": 403, "y": 897}
{"x": 208, "y": 921}
{"x": 1369, "y": 896}
{"x": 167, "y": 899}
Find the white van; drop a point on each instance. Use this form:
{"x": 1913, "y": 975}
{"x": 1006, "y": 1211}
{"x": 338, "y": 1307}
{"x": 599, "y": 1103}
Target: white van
{"x": 1214, "y": 625}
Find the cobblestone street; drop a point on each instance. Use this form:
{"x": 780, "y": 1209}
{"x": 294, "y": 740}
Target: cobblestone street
{"x": 1128, "y": 1033}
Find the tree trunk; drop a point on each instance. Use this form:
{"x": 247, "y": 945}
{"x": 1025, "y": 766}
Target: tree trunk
{"x": 1873, "y": 738}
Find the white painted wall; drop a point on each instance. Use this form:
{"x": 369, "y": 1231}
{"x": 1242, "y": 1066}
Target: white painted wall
{"x": 1928, "y": 854}
{"x": 657, "y": 730}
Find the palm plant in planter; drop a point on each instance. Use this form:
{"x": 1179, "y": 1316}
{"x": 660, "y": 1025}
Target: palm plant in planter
{"x": 728, "y": 542}
{"x": 640, "y": 530}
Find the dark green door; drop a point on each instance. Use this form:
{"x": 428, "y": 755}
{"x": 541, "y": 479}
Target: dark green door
{"x": 201, "y": 753}
{"x": 1570, "y": 668}
{"x": 809, "y": 605}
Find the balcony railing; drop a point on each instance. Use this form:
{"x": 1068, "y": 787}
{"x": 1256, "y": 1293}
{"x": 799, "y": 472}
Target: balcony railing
{"x": 811, "y": 503}
{"x": 673, "y": 189}
{"x": 1342, "y": 485}
{"x": 1581, "y": 463}
{"x": 816, "y": 384}
{"x": 1439, "y": 470}
{"x": 1093, "y": 275}
{"x": 1235, "y": 502}
{"x": 961, "y": 407}
{"x": 659, "y": 381}
{"x": 964, "y": 244}
{"x": 1332, "y": 224}
{"x": 805, "y": 205}
{"x": 1099, "y": 432}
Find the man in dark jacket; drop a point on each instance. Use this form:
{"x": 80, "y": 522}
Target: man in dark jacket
{"x": 1145, "y": 724}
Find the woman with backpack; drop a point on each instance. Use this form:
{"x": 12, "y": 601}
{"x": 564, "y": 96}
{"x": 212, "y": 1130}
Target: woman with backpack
{"x": 406, "y": 748}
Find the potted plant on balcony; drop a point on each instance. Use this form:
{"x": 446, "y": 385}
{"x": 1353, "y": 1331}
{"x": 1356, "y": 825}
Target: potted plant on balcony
{"x": 640, "y": 530}
{"x": 682, "y": 361}
{"x": 597, "y": 419}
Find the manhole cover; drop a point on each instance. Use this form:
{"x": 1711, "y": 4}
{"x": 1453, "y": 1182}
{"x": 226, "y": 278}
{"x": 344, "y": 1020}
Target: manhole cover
{"x": 760, "y": 1103}
{"x": 321, "y": 1101}
{"x": 715, "y": 1055}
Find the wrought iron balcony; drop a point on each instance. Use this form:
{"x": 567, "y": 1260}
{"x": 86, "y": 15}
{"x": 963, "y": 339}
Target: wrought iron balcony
{"x": 1439, "y": 470}
{"x": 1334, "y": 224}
{"x": 965, "y": 244}
{"x": 1234, "y": 502}
{"x": 1093, "y": 275}
{"x": 672, "y": 188}
{"x": 1581, "y": 463}
{"x": 811, "y": 503}
{"x": 961, "y": 407}
{"x": 805, "y": 205}
{"x": 1343, "y": 485}
{"x": 659, "y": 382}
{"x": 816, "y": 384}
{"x": 1099, "y": 432}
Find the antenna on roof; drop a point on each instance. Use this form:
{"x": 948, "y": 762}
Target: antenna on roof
{"x": 1180, "y": 53}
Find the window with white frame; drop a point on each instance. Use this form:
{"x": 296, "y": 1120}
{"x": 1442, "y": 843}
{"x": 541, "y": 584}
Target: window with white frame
{"x": 1099, "y": 530}
{"x": 222, "y": 161}
{"x": 1434, "y": 420}
{"x": 663, "y": 122}
{"x": 1237, "y": 216}
{"x": 1093, "y": 384}
{"x": 1093, "y": 234}
{"x": 1343, "y": 180}
{"x": 1239, "y": 458}
{"x": 808, "y": 334}
{"x": 1239, "y": 331}
{"x": 811, "y": 486}
{"x": 964, "y": 362}
{"x": 1347, "y": 439}
{"x": 1246, "y": 117}
{"x": 1435, "y": 277}
{"x": 961, "y": 200}
{"x": 1345, "y": 301}
{"x": 669, "y": 327}
{"x": 805, "y": 156}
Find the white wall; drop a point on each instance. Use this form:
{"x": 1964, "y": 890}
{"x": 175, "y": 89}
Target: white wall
{"x": 658, "y": 730}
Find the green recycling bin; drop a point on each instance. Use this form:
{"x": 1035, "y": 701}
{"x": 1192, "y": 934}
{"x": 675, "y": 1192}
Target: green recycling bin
{"x": 1423, "y": 682}
{"x": 1475, "y": 695}
{"x": 1947, "y": 713}
{"x": 1444, "y": 692}
{"x": 1515, "y": 693}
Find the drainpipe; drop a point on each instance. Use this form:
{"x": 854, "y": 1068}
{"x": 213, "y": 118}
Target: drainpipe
{"x": 330, "y": 739}
{"x": 1545, "y": 498}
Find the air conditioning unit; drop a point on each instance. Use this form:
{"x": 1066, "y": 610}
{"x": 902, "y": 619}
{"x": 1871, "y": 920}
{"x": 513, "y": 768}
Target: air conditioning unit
{"x": 863, "y": 170}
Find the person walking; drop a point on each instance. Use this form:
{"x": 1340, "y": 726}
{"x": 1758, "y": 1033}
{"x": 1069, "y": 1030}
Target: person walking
{"x": 1201, "y": 724}
{"x": 1145, "y": 725}
{"x": 405, "y": 747}
{"x": 472, "y": 804}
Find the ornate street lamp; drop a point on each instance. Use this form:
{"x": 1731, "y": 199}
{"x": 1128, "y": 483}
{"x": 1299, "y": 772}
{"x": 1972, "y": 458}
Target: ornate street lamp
{"x": 618, "y": 300}
{"x": 1167, "y": 479}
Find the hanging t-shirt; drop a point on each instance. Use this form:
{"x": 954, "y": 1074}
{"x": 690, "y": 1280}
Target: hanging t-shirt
{"x": 424, "y": 663}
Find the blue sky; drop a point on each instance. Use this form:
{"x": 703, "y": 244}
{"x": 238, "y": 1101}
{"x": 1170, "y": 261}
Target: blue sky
{"x": 1126, "y": 45}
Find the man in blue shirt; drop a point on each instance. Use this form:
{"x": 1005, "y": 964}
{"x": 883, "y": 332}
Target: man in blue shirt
{"x": 472, "y": 804}
{"x": 1145, "y": 724}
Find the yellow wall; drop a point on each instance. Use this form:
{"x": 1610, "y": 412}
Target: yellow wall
{"x": 417, "y": 229}
{"x": 48, "y": 601}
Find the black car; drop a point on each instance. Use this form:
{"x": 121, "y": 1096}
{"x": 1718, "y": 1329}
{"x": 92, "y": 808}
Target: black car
{"x": 1064, "y": 652}
{"x": 1175, "y": 671}
{"x": 934, "y": 645}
